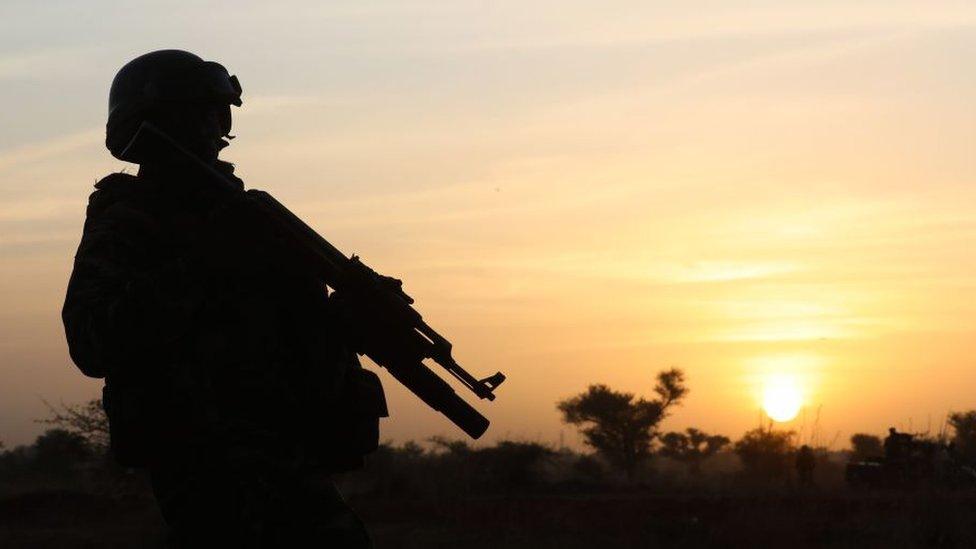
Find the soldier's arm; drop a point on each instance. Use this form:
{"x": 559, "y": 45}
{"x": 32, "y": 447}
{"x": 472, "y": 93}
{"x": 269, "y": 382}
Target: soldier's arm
{"x": 121, "y": 304}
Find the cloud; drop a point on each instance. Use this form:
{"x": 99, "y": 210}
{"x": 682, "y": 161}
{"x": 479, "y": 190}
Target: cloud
{"x": 37, "y": 152}
{"x": 536, "y": 28}
{"x": 43, "y": 208}
{"x": 53, "y": 64}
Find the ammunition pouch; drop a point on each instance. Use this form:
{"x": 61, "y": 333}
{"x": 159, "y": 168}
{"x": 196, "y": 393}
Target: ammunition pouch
{"x": 353, "y": 428}
{"x": 368, "y": 402}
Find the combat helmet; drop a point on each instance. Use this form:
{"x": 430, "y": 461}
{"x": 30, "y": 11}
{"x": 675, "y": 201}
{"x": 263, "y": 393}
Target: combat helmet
{"x": 155, "y": 79}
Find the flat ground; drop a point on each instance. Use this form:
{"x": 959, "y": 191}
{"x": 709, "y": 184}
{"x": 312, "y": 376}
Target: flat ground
{"x": 67, "y": 519}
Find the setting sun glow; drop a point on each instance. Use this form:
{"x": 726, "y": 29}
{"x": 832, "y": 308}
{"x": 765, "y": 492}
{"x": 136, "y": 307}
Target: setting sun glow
{"x": 782, "y": 398}
{"x": 777, "y": 197}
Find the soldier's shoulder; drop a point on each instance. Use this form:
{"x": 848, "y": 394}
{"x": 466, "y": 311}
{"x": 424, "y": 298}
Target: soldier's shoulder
{"x": 116, "y": 180}
{"x": 122, "y": 195}
{"x": 123, "y": 184}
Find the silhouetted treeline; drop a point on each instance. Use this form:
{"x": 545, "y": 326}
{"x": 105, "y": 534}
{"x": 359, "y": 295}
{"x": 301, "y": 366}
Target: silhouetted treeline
{"x": 629, "y": 451}
{"x": 57, "y": 454}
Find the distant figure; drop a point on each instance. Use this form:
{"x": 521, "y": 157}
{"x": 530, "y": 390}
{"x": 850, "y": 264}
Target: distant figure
{"x": 897, "y": 446}
{"x": 806, "y": 461}
{"x": 223, "y": 373}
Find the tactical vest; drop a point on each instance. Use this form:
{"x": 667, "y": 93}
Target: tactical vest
{"x": 213, "y": 358}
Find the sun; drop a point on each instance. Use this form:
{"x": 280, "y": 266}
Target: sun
{"x": 782, "y": 398}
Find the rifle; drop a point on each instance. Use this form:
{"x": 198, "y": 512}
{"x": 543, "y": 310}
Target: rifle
{"x": 396, "y": 337}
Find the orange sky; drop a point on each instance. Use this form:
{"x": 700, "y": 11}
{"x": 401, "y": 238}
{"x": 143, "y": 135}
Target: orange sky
{"x": 572, "y": 194}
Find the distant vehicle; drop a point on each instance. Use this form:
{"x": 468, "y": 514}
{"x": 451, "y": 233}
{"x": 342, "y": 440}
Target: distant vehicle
{"x": 910, "y": 463}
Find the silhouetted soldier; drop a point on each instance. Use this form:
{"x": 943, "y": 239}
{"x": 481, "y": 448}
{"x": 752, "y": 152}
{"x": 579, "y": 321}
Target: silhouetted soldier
{"x": 223, "y": 374}
{"x": 806, "y": 462}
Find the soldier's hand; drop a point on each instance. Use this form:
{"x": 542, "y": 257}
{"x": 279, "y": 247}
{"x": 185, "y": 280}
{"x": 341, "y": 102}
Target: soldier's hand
{"x": 356, "y": 319}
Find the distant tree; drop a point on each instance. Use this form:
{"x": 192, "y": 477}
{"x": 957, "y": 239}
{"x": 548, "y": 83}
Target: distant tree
{"x": 398, "y": 470}
{"x": 451, "y": 446}
{"x": 765, "y": 452}
{"x": 86, "y": 420}
{"x": 964, "y": 433}
{"x": 411, "y": 450}
{"x": 864, "y": 446}
{"x": 589, "y": 468}
{"x": 17, "y": 461}
{"x": 58, "y": 452}
{"x": 513, "y": 464}
{"x": 691, "y": 447}
{"x": 619, "y": 426}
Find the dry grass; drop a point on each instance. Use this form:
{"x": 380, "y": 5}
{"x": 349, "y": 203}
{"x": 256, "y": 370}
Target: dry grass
{"x": 937, "y": 519}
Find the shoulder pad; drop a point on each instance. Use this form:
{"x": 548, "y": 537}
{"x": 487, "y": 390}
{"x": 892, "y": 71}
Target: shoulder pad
{"x": 114, "y": 188}
{"x": 115, "y": 181}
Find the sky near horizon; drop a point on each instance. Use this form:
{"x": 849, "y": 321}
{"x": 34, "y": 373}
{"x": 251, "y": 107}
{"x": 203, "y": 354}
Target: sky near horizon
{"x": 573, "y": 192}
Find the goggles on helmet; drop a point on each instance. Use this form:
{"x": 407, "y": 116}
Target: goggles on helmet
{"x": 206, "y": 82}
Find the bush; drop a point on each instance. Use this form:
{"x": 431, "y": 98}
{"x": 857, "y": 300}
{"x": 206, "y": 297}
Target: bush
{"x": 766, "y": 453}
